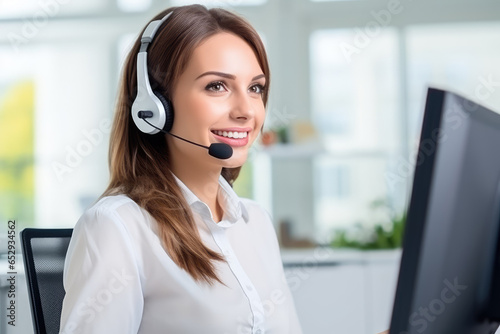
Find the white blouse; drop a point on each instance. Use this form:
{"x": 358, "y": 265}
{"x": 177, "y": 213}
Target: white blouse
{"x": 119, "y": 279}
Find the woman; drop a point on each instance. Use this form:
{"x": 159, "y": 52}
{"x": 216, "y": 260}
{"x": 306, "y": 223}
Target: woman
{"x": 169, "y": 247}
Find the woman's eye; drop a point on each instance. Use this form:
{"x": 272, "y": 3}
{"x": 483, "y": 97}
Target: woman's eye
{"x": 257, "y": 89}
{"x": 217, "y": 86}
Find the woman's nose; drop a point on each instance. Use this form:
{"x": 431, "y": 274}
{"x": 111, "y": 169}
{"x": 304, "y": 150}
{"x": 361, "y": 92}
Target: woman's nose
{"x": 242, "y": 106}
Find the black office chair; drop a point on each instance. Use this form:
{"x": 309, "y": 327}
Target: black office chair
{"x": 44, "y": 251}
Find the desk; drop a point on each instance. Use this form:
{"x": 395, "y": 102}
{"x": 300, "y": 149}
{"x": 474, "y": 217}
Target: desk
{"x": 335, "y": 291}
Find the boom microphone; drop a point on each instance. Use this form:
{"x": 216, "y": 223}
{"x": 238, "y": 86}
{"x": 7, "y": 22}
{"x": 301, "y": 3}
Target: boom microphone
{"x": 216, "y": 150}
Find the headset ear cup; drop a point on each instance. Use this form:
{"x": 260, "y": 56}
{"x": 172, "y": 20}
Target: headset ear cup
{"x": 169, "y": 111}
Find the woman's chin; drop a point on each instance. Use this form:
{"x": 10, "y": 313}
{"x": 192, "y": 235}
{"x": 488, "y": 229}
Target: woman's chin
{"x": 236, "y": 160}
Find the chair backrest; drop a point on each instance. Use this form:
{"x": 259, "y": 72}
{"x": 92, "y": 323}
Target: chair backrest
{"x": 44, "y": 251}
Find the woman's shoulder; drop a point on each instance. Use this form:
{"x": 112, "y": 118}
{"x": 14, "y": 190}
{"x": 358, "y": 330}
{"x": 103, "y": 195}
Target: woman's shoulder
{"x": 111, "y": 203}
{"x": 116, "y": 208}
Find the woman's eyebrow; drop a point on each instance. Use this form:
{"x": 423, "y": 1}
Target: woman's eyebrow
{"x": 258, "y": 77}
{"x": 227, "y": 75}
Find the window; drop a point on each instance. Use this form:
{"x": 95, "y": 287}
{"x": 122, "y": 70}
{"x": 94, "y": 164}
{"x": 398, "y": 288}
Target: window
{"x": 365, "y": 100}
{"x": 220, "y": 3}
{"x": 467, "y": 63}
{"x": 17, "y": 156}
{"x": 37, "y": 14}
{"x": 355, "y": 101}
{"x": 57, "y": 104}
{"x": 134, "y": 5}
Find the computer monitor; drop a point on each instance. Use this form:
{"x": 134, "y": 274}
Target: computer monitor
{"x": 450, "y": 243}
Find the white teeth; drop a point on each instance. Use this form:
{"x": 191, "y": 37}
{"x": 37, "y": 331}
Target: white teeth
{"x": 231, "y": 134}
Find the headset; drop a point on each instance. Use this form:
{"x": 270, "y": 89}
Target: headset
{"x": 151, "y": 111}
{"x": 161, "y": 112}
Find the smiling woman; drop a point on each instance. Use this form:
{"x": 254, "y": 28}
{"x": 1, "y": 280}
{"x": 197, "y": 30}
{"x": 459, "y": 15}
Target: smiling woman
{"x": 221, "y": 105}
{"x": 169, "y": 247}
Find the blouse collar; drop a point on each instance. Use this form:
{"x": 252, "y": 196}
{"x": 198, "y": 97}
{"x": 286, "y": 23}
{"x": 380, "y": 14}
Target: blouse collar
{"x": 231, "y": 204}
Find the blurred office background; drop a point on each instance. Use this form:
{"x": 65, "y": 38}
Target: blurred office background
{"x": 347, "y": 94}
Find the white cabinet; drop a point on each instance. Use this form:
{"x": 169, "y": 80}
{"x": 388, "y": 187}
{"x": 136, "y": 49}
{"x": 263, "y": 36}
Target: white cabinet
{"x": 343, "y": 291}
{"x": 331, "y": 299}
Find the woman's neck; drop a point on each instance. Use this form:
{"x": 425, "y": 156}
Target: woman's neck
{"x": 203, "y": 182}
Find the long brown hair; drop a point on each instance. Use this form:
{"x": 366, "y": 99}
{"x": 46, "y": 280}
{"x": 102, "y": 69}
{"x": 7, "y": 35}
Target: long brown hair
{"x": 137, "y": 161}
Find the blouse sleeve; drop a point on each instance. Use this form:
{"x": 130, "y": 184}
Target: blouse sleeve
{"x": 101, "y": 277}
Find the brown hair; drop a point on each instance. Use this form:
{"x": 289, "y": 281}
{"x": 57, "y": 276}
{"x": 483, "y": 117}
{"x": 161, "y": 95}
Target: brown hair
{"x": 137, "y": 161}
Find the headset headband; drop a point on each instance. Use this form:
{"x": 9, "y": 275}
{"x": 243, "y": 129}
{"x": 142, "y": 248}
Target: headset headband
{"x": 150, "y": 32}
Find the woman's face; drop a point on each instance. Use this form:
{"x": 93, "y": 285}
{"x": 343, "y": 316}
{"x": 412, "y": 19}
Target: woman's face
{"x": 218, "y": 99}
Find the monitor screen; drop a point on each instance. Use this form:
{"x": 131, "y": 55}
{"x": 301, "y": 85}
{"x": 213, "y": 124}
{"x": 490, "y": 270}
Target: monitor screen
{"x": 450, "y": 241}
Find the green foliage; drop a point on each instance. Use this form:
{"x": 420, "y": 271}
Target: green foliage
{"x": 243, "y": 184}
{"x": 382, "y": 235}
{"x": 17, "y": 190}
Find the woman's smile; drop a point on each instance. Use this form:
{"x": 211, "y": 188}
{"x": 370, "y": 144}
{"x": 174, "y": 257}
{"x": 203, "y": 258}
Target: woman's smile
{"x": 236, "y": 137}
